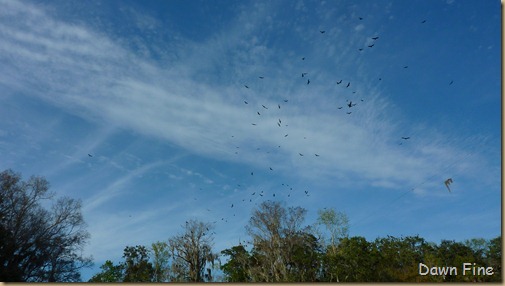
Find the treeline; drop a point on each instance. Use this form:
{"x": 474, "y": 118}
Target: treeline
{"x": 39, "y": 244}
{"x": 283, "y": 250}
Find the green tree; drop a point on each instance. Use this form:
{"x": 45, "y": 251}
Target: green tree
{"x": 137, "y": 266}
{"x": 493, "y": 257}
{"x": 336, "y": 223}
{"x": 237, "y": 268}
{"x": 110, "y": 273}
{"x": 39, "y": 244}
{"x": 161, "y": 257}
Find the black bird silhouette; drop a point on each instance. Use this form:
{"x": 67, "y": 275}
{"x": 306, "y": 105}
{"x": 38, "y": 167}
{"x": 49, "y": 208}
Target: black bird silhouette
{"x": 90, "y": 155}
{"x": 264, "y": 106}
{"x": 349, "y": 112}
{"x": 253, "y": 124}
{"x": 279, "y": 124}
{"x": 451, "y": 82}
{"x": 300, "y": 154}
{"x": 280, "y": 120}
{"x": 360, "y": 49}
{"x": 340, "y": 107}
{"x": 232, "y": 205}
{"x": 423, "y": 21}
{"x": 308, "y": 81}
{"x": 245, "y": 102}
{"x": 350, "y": 104}
{"x": 258, "y": 113}
{"x": 447, "y": 183}
{"x": 371, "y": 45}
{"x": 286, "y": 135}
{"x": 253, "y": 194}
{"x": 261, "y": 77}
{"x": 285, "y": 100}
{"x": 375, "y": 38}
{"x": 271, "y": 169}
{"x": 279, "y": 106}
{"x": 405, "y": 138}
{"x": 317, "y": 155}
{"x": 405, "y": 67}
{"x": 322, "y": 32}
{"x": 304, "y": 74}
{"x": 339, "y": 82}
{"x": 348, "y": 84}
{"x": 252, "y": 173}
{"x": 246, "y": 86}
{"x": 303, "y": 58}
{"x": 360, "y": 18}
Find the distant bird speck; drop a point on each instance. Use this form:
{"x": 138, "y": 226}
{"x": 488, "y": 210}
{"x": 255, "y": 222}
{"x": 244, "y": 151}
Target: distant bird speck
{"x": 90, "y": 155}
{"x": 279, "y": 106}
{"x": 339, "y": 82}
{"x": 349, "y": 84}
{"x": 258, "y": 113}
{"x": 322, "y": 32}
{"x": 317, "y": 155}
{"x": 300, "y": 154}
{"x": 261, "y": 77}
{"x": 405, "y": 67}
{"x": 303, "y": 58}
{"x": 264, "y": 106}
{"x": 405, "y": 138}
{"x": 375, "y": 38}
{"x": 246, "y": 102}
{"x": 451, "y": 82}
{"x": 304, "y": 74}
{"x": 423, "y": 21}
{"x": 371, "y": 45}
{"x": 246, "y": 86}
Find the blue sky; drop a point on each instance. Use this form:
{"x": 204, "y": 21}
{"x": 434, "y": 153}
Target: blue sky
{"x": 155, "y": 92}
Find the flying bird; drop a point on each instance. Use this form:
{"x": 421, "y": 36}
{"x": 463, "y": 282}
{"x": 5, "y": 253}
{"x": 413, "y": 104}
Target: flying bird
{"x": 375, "y": 38}
{"x": 279, "y": 106}
{"x": 447, "y": 183}
{"x": 360, "y": 49}
{"x": 286, "y": 135}
{"x": 424, "y": 21}
{"x": 371, "y": 45}
{"x": 348, "y": 84}
{"x": 303, "y": 58}
{"x": 246, "y": 86}
{"x": 405, "y": 67}
{"x": 340, "y": 107}
{"x": 349, "y": 112}
{"x": 232, "y": 205}
{"x": 322, "y": 32}
{"x": 90, "y": 155}
{"x": 279, "y": 124}
{"x": 264, "y": 106}
{"x": 317, "y": 155}
{"x": 451, "y": 82}
{"x": 261, "y": 77}
{"x": 246, "y": 102}
{"x": 339, "y": 82}
{"x": 253, "y": 124}
{"x": 350, "y": 104}
{"x": 360, "y": 18}
{"x": 405, "y": 138}
{"x": 285, "y": 100}
{"x": 258, "y": 112}
{"x": 308, "y": 81}
{"x": 252, "y": 173}
{"x": 271, "y": 169}
{"x": 304, "y": 74}
{"x": 300, "y": 154}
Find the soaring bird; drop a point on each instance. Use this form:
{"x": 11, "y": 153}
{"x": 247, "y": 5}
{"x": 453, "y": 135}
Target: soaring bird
{"x": 322, "y": 32}
{"x": 261, "y": 77}
{"x": 303, "y": 58}
{"x": 360, "y": 18}
{"x": 447, "y": 183}
{"x": 405, "y": 138}
{"x": 285, "y": 100}
{"x": 286, "y": 135}
{"x": 264, "y": 106}
{"x": 339, "y": 82}
{"x": 246, "y": 102}
{"x": 258, "y": 112}
{"x": 279, "y": 106}
{"x": 349, "y": 84}
{"x": 360, "y": 49}
{"x": 375, "y": 38}
{"x": 423, "y": 21}
{"x": 371, "y": 45}
{"x": 451, "y": 82}
{"x": 340, "y": 107}
{"x": 349, "y": 112}
{"x": 405, "y": 67}
{"x": 308, "y": 81}
{"x": 317, "y": 155}
{"x": 304, "y": 74}
{"x": 252, "y": 173}
{"x": 253, "y": 124}
{"x": 246, "y": 86}
{"x": 350, "y": 104}
{"x": 300, "y": 154}
{"x": 90, "y": 155}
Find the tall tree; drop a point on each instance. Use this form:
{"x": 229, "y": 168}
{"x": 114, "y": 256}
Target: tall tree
{"x": 237, "y": 268}
{"x": 192, "y": 253}
{"x": 336, "y": 223}
{"x": 276, "y": 233}
{"x": 161, "y": 257}
{"x": 39, "y": 245}
{"x": 110, "y": 273}
{"x": 137, "y": 265}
